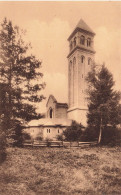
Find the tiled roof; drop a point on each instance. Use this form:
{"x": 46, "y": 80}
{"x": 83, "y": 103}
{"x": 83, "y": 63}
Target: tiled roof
{"x": 50, "y": 122}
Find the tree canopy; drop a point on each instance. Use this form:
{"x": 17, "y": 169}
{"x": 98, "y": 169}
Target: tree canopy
{"x": 20, "y": 76}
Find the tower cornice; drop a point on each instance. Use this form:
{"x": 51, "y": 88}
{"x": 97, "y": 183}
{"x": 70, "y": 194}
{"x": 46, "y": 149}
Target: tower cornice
{"x": 78, "y": 29}
{"x": 82, "y": 49}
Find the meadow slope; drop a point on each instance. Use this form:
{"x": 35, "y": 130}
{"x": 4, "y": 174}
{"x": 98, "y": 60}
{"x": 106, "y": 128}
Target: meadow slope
{"x": 87, "y": 171}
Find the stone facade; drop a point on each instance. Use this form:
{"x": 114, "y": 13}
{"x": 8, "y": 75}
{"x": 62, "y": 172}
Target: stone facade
{"x": 47, "y": 128}
{"x": 80, "y": 60}
{"x": 56, "y": 109}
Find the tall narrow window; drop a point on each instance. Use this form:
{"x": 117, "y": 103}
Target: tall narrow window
{"x": 71, "y": 45}
{"x": 82, "y": 40}
{"x": 88, "y": 42}
{"x": 51, "y": 113}
{"x": 74, "y": 41}
{"x": 58, "y": 131}
{"x": 74, "y": 60}
{"x": 89, "y": 61}
{"x": 82, "y": 59}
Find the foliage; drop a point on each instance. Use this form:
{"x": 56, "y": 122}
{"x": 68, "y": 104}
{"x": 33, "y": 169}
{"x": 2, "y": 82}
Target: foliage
{"x": 2, "y": 144}
{"x": 48, "y": 140}
{"x": 26, "y": 136}
{"x": 39, "y": 138}
{"x": 74, "y": 132}
{"x": 20, "y": 78}
{"x": 90, "y": 134}
{"x": 103, "y": 100}
{"x": 18, "y": 135}
{"x": 111, "y": 136}
{"x": 60, "y": 137}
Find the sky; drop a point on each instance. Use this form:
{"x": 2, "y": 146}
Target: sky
{"x": 49, "y": 24}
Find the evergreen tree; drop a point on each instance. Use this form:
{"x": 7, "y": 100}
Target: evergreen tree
{"x": 21, "y": 76}
{"x": 103, "y": 100}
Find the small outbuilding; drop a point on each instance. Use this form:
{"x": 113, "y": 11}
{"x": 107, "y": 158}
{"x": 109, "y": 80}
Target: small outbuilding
{"x": 53, "y": 125}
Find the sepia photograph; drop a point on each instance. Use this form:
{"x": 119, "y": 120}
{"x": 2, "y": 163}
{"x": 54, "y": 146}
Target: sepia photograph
{"x": 60, "y": 97}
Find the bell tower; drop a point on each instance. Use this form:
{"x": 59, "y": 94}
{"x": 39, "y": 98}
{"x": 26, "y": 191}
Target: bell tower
{"x": 80, "y": 59}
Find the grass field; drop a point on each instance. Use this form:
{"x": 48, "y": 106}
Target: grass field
{"x": 93, "y": 171}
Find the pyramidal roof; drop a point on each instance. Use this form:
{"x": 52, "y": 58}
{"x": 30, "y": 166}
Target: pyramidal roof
{"x": 81, "y": 24}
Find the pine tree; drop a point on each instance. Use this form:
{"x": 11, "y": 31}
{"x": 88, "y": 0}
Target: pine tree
{"x": 103, "y": 100}
{"x": 20, "y": 72}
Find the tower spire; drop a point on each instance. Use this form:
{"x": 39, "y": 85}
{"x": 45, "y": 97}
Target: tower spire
{"x": 82, "y": 25}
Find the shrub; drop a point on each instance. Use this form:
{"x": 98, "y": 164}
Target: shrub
{"x": 111, "y": 136}
{"x": 90, "y": 134}
{"x": 60, "y": 137}
{"x": 26, "y": 136}
{"x": 39, "y": 138}
{"x": 74, "y": 132}
{"x": 48, "y": 140}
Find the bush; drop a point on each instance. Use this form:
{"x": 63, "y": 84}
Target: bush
{"x": 39, "y": 138}
{"x": 111, "y": 136}
{"x": 74, "y": 132}
{"x": 26, "y": 136}
{"x": 90, "y": 134}
{"x": 60, "y": 137}
{"x": 48, "y": 140}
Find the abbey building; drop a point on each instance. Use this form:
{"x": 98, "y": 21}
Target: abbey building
{"x": 60, "y": 115}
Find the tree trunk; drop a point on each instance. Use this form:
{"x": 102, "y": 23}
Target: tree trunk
{"x": 100, "y": 133}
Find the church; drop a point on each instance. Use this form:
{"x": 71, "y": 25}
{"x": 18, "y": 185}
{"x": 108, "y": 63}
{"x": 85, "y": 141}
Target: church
{"x": 60, "y": 115}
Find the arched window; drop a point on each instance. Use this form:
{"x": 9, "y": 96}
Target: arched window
{"x": 74, "y": 60}
{"x": 82, "y": 59}
{"x": 71, "y": 45}
{"x": 70, "y": 66}
{"x": 89, "y": 61}
{"x": 74, "y": 41}
{"x": 88, "y": 42}
{"x": 82, "y": 40}
{"x": 51, "y": 113}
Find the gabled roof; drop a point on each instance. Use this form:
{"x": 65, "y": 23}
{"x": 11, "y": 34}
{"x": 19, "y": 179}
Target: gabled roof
{"x": 54, "y": 100}
{"x": 57, "y": 103}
